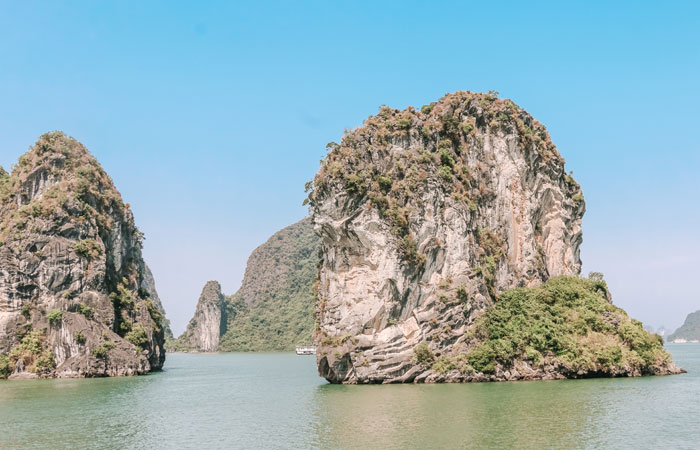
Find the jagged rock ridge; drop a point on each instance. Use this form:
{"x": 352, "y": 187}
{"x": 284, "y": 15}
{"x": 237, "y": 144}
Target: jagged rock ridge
{"x": 425, "y": 218}
{"x": 76, "y": 297}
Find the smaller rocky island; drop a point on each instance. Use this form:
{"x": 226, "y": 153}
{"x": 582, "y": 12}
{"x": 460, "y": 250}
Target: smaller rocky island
{"x": 208, "y": 323}
{"x": 689, "y": 331}
{"x": 76, "y": 297}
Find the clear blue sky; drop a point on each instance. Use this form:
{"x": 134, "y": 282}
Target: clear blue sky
{"x": 210, "y": 116}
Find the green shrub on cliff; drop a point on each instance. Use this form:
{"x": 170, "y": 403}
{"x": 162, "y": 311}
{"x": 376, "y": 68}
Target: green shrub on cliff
{"x": 5, "y": 370}
{"x": 568, "y": 319}
{"x": 31, "y": 353}
{"x": 423, "y": 354}
{"x": 123, "y": 297}
{"x": 79, "y": 337}
{"x": 85, "y": 310}
{"x": 5, "y": 184}
{"x": 137, "y": 336}
{"x": 55, "y": 316}
{"x": 87, "y": 248}
{"x": 45, "y": 361}
{"x": 100, "y": 352}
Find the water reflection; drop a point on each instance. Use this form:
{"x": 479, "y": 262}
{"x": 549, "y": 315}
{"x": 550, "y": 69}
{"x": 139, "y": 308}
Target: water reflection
{"x": 600, "y": 413}
{"x": 510, "y": 415}
{"x": 278, "y": 401}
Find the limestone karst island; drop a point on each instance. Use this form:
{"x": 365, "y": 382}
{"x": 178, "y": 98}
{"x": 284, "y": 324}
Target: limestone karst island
{"x": 77, "y": 298}
{"x": 387, "y": 225}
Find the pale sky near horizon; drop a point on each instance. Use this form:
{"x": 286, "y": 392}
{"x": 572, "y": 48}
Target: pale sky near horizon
{"x": 211, "y": 116}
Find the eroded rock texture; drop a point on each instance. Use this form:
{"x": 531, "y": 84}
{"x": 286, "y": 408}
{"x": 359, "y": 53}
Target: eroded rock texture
{"x": 425, "y": 216}
{"x": 76, "y": 297}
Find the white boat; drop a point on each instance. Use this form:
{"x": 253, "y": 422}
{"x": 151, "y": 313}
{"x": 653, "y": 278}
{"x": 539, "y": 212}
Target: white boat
{"x": 306, "y": 350}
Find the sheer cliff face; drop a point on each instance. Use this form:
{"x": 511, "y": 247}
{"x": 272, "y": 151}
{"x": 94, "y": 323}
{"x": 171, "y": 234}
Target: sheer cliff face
{"x": 424, "y": 217}
{"x": 209, "y": 321}
{"x": 76, "y": 298}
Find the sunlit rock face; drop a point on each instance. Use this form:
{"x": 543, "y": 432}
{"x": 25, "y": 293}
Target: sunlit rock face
{"x": 209, "y": 321}
{"x": 76, "y": 297}
{"x": 425, "y": 216}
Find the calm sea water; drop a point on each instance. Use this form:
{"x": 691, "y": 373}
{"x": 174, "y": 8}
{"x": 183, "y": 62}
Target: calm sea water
{"x": 278, "y": 401}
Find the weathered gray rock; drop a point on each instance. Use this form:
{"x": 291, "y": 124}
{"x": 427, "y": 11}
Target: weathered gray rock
{"x": 415, "y": 209}
{"x": 76, "y": 297}
{"x": 209, "y": 321}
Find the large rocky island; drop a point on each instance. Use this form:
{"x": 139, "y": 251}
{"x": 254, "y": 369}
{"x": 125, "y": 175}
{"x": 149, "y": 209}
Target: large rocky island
{"x": 273, "y": 309}
{"x": 76, "y": 297}
{"x": 450, "y": 252}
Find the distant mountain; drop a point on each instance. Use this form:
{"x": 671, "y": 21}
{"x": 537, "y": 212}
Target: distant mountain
{"x": 690, "y": 330}
{"x": 274, "y": 308}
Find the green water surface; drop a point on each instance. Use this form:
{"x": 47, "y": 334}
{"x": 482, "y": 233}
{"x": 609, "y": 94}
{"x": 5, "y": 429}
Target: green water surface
{"x": 278, "y": 401}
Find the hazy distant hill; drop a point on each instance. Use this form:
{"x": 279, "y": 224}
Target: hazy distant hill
{"x": 690, "y": 330}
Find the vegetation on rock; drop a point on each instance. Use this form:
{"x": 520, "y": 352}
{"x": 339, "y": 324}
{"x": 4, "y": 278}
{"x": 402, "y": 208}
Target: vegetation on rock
{"x": 30, "y": 355}
{"x": 397, "y": 155}
{"x": 55, "y": 316}
{"x": 273, "y": 310}
{"x": 568, "y": 322}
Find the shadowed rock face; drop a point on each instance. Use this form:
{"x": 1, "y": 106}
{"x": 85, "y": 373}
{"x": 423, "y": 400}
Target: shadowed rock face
{"x": 209, "y": 320}
{"x": 419, "y": 209}
{"x": 76, "y": 297}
